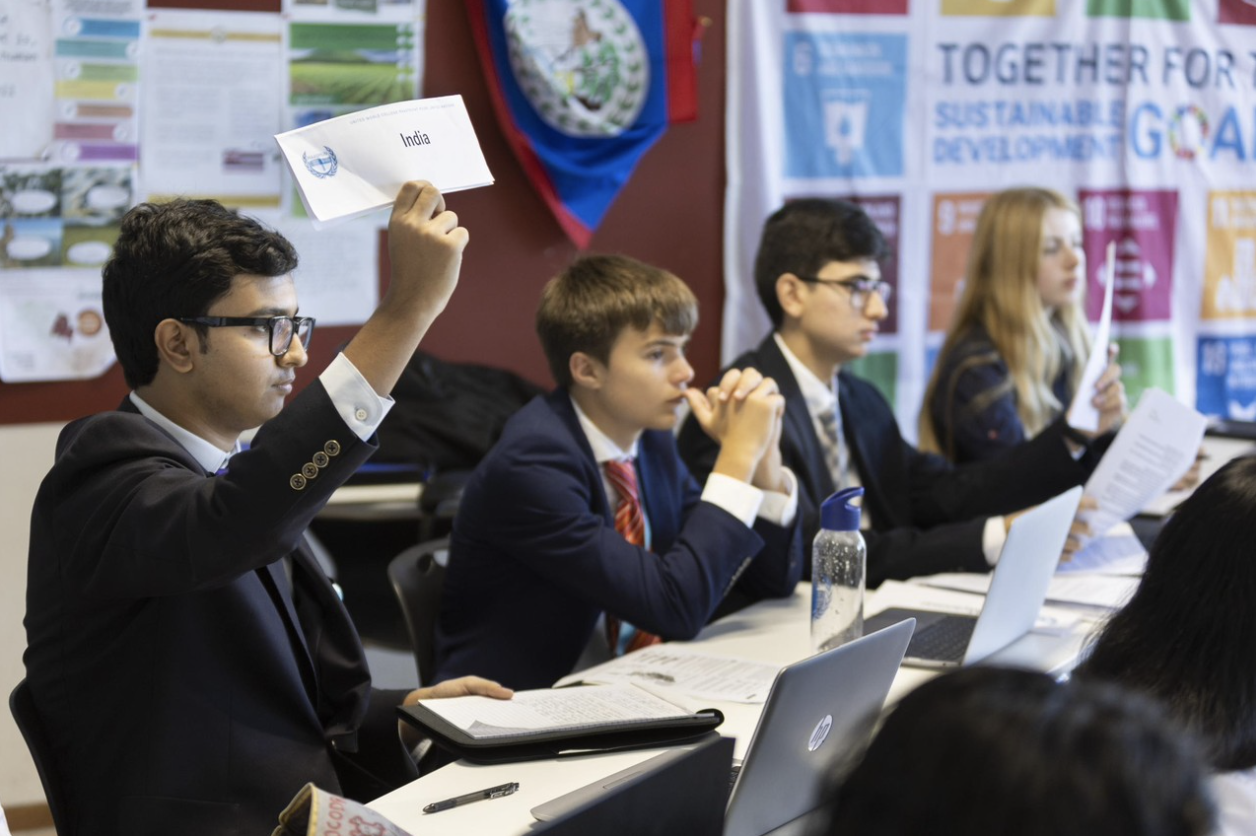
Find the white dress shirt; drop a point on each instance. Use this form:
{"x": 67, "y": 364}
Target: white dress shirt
{"x": 354, "y": 399}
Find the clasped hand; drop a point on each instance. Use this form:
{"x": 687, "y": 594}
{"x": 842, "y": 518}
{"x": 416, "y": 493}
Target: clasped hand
{"x": 743, "y": 414}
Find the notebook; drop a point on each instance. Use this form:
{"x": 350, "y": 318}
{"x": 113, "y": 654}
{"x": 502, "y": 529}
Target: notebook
{"x": 819, "y": 710}
{"x": 1018, "y": 588}
{"x": 681, "y": 791}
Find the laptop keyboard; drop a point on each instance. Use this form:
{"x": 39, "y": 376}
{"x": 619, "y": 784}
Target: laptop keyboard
{"x": 945, "y": 640}
{"x": 733, "y": 772}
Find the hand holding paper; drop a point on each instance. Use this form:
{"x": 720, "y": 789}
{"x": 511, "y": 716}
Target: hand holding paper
{"x": 1082, "y": 413}
{"x": 1080, "y": 533}
{"x": 356, "y": 163}
{"x": 425, "y": 243}
{"x": 1155, "y": 447}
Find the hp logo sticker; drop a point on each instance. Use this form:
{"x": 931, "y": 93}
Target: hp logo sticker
{"x": 821, "y": 733}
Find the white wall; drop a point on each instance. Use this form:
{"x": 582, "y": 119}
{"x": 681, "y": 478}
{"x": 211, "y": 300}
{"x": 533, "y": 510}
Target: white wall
{"x": 27, "y": 451}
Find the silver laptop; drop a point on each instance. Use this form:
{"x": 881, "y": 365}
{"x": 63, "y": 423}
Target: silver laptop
{"x": 1017, "y": 591}
{"x": 819, "y": 710}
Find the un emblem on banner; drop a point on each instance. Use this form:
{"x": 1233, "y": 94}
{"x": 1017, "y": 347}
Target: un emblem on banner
{"x": 321, "y": 165}
{"x": 581, "y": 63}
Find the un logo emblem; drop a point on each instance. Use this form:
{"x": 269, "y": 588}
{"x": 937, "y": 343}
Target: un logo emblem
{"x": 322, "y": 165}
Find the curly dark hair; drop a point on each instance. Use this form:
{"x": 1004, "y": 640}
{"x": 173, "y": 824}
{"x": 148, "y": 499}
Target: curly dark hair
{"x": 176, "y": 259}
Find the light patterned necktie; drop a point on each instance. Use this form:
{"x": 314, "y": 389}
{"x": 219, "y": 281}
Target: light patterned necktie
{"x": 630, "y": 523}
{"x": 834, "y": 445}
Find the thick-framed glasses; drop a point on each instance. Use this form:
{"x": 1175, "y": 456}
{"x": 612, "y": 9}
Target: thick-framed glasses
{"x": 859, "y": 289}
{"x": 280, "y": 328}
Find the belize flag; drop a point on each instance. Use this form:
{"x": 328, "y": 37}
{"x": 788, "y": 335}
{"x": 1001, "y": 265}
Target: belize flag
{"x": 583, "y": 88}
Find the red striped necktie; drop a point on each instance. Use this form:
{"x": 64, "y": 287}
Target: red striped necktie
{"x": 630, "y": 523}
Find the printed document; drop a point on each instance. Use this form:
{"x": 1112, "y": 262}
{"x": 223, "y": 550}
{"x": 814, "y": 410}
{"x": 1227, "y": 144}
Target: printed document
{"x": 546, "y": 709}
{"x": 1213, "y": 455}
{"x": 1082, "y": 414}
{"x": 1153, "y": 450}
{"x": 355, "y": 164}
{"x": 668, "y": 667}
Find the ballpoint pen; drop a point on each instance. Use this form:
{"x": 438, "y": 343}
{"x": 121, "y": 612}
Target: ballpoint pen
{"x": 479, "y": 795}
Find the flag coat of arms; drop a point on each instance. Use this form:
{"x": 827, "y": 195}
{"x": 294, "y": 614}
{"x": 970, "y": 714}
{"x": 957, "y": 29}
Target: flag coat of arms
{"x": 583, "y": 88}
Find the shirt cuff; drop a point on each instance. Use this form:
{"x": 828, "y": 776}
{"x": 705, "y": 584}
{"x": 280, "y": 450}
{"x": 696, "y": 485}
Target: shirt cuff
{"x": 358, "y": 404}
{"x": 992, "y": 539}
{"x": 741, "y": 499}
{"x": 781, "y": 508}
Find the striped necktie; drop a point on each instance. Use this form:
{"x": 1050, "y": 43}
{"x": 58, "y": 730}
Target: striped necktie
{"x": 834, "y": 445}
{"x": 630, "y": 523}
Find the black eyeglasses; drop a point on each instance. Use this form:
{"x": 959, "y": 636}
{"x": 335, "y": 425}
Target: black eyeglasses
{"x": 860, "y": 289}
{"x": 281, "y": 328}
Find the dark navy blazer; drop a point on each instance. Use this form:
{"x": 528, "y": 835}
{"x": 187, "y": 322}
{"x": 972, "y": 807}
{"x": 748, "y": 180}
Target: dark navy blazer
{"x": 535, "y": 557}
{"x": 927, "y": 515}
{"x": 184, "y": 691}
{"x": 973, "y": 369}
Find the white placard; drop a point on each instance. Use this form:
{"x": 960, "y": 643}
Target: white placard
{"x": 355, "y": 164}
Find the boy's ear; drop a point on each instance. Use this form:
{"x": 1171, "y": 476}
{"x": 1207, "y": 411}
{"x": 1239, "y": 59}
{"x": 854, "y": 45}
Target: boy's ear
{"x": 586, "y": 371}
{"x": 789, "y": 293}
{"x": 176, "y": 343}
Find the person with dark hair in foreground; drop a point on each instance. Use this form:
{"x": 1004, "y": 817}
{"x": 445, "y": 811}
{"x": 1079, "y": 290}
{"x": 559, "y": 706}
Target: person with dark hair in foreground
{"x": 1188, "y": 634}
{"x": 193, "y": 666}
{"x": 990, "y": 751}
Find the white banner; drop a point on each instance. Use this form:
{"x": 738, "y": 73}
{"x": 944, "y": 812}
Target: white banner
{"x": 919, "y": 111}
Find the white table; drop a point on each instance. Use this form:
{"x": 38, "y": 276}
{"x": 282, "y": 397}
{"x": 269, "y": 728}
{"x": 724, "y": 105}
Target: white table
{"x": 372, "y": 503}
{"x": 775, "y": 631}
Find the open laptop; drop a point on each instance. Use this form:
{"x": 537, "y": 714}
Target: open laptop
{"x": 679, "y": 792}
{"x": 819, "y": 711}
{"x": 1018, "y": 588}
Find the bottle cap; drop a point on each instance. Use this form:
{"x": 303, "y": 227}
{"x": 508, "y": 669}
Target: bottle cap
{"x": 838, "y": 514}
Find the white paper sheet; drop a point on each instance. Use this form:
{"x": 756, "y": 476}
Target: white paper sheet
{"x": 1082, "y": 414}
{"x": 1154, "y": 448}
{"x": 338, "y": 275}
{"x": 668, "y": 667}
{"x": 52, "y": 326}
{"x": 57, "y": 227}
{"x": 568, "y": 708}
{"x": 1216, "y": 452}
{"x": 355, "y": 164}
{"x": 212, "y": 101}
{"x": 26, "y": 103}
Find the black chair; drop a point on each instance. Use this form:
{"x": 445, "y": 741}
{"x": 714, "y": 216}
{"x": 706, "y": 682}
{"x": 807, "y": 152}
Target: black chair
{"x": 438, "y": 503}
{"x": 22, "y": 705}
{"x": 417, "y": 576}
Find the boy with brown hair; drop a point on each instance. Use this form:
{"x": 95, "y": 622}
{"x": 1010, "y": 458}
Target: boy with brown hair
{"x": 583, "y": 514}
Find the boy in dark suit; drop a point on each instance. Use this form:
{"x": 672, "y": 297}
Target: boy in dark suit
{"x": 192, "y": 665}
{"x": 583, "y": 519}
{"x": 818, "y": 277}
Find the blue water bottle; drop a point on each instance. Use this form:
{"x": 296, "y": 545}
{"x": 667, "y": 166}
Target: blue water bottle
{"x": 838, "y": 569}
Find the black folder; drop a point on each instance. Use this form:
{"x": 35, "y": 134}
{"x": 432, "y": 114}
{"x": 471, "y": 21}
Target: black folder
{"x": 552, "y": 743}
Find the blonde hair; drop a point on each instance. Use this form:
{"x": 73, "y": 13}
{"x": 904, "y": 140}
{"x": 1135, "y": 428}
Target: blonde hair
{"x": 1001, "y": 296}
